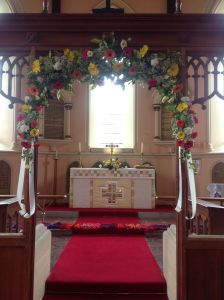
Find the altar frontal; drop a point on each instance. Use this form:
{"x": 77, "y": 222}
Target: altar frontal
{"x": 103, "y": 188}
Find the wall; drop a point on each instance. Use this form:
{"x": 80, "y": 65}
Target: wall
{"x": 162, "y": 156}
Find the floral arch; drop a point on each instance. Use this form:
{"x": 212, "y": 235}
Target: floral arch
{"x": 115, "y": 60}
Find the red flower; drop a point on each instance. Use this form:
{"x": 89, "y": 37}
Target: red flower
{"x": 152, "y": 83}
{"x": 33, "y": 124}
{"x": 109, "y": 54}
{"x": 58, "y": 85}
{"x": 77, "y": 74}
{"x": 26, "y": 144}
{"x": 20, "y": 117}
{"x": 38, "y": 108}
{"x": 33, "y": 90}
{"x": 179, "y": 143}
{"x": 195, "y": 120}
{"x": 85, "y": 54}
{"x": 180, "y": 123}
{"x": 132, "y": 71}
{"x": 194, "y": 135}
{"x": 127, "y": 51}
{"x": 191, "y": 111}
{"x": 188, "y": 144}
{"x": 36, "y": 145}
{"x": 178, "y": 88}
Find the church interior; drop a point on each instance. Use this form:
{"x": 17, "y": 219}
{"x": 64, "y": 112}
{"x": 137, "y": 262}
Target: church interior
{"x": 111, "y": 150}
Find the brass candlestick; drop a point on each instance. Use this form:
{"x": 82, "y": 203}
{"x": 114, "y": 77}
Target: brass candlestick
{"x": 111, "y": 146}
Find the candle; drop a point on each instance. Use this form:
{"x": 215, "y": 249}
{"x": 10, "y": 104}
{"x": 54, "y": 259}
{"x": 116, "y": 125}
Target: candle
{"x": 142, "y": 147}
{"x": 80, "y": 147}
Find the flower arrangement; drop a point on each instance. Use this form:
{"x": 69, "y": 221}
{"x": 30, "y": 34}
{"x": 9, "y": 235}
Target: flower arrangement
{"x": 114, "y": 164}
{"x": 183, "y": 122}
{"x": 111, "y": 59}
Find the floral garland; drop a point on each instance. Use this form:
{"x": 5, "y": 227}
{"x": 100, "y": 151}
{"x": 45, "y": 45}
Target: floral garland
{"x": 183, "y": 123}
{"x": 114, "y": 164}
{"x": 111, "y": 59}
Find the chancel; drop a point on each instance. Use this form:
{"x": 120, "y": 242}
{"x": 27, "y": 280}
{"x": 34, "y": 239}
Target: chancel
{"x": 109, "y": 104}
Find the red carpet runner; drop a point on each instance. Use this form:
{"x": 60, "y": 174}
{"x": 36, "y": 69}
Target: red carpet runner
{"x": 106, "y": 267}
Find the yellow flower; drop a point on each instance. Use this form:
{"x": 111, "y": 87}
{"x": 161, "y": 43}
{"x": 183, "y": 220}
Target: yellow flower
{"x": 143, "y": 50}
{"x": 34, "y": 132}
{"x": 173, "y": 70}
{"x": 26, "y": 108}
{"x": 36, "y": 66}
{"x": 118, "y": 67}
{"x": 93, "y": 70}
{"x": 69, "y": 54}
{"x": 182, "y": 106}
{"x": 180, "y": 135}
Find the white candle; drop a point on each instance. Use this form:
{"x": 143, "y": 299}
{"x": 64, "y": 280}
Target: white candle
{"x": 80, "y": 147}
{"x": 142, "y": 147}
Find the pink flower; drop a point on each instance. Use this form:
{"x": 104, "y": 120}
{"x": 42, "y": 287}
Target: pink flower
{"x": 127, "y": 51}
{"x": 33, "y": 90}
{"x": 180, "y": 123}
{"x": 26, "y": 144}
{"x": 191, "y": 111}
{"x": 33, "y": 124}
{"x": 57, "y": 85}
{"x": 152, "y": 83}
{"x": 77, "y": 74}
{"x": 132, "y": 71}
{"x": 109, "y": 54}
{"x": 188, "y": 144}
{"x": 20, "y": 117}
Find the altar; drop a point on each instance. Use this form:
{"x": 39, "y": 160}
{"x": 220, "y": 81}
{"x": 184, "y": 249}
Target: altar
{"x": 103, "y": 188}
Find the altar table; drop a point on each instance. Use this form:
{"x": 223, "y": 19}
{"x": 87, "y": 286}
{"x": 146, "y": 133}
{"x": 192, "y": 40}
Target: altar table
{"x": 123, "y": 188}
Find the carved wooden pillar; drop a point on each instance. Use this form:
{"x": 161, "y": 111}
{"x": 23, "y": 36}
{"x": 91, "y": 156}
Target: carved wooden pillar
{"x": 157, "y": 108}
{"x": 68, "y": 107}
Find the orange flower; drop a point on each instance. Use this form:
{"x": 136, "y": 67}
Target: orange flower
{"x": 109, "y": 54}
{"x": 33, "y": 90}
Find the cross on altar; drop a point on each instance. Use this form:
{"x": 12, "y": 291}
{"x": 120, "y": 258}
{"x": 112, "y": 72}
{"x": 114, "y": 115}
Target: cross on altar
{"x": 108, "y": 9}
{"x": 111, "y": 193}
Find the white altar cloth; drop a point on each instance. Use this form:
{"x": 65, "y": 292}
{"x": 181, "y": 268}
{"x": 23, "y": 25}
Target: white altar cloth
{"x": 123, "y": 188}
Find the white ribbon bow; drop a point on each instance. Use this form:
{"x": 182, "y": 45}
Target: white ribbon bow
{"x": 191, "y": 180}
{"x": 19, "y": 194}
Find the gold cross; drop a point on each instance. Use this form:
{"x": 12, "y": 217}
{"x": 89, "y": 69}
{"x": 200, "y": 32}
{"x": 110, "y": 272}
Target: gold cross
{"x": 112, "y": 192}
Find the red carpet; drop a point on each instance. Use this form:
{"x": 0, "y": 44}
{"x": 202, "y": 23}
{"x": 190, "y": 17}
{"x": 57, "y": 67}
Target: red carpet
{"x": 106, "y": 264}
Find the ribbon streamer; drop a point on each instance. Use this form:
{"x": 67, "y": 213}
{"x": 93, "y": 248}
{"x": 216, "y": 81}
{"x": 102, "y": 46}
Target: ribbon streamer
{"x": 191, "y": 181}
{"x": 19, "y": 194}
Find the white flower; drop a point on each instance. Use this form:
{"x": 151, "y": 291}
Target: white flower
{"x": 37, "y": 98}
{"x": 154, "y": 62}
{"x": 26, "y": 99}
{"x": 100, "y": 166}
{"x": 90, "y": 53}
{"x": 123, "y": 44}
{"x": 188, "y": 130}
{"x": 164, "y": 99}
{"x": 24, "y": 128}
{"x": 58, "y": 66}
